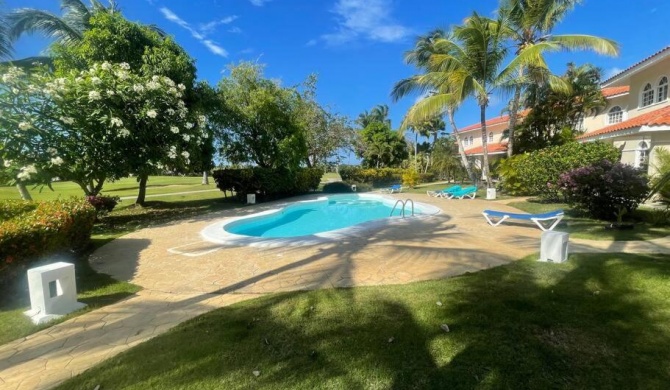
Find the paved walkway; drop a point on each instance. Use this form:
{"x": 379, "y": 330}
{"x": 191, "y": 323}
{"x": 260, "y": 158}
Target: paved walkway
{"x": 183, "y": 277}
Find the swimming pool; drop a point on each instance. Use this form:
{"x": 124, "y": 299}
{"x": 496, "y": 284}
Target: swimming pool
{"x": 314, "y": 218}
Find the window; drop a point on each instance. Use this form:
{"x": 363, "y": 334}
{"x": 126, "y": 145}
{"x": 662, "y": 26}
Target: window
{"x": 465, "y": 141}
{"x": 471, "y": 141}
{"x": 491, "y": 137}
{"x": 579, "y": 123}
{"x": 647, "y": 95}
{"x": 663, "y": 89}
{"x": 615, "y": 115}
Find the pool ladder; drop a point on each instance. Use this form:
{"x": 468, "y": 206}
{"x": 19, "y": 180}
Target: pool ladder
{"x": 404, "y": 204}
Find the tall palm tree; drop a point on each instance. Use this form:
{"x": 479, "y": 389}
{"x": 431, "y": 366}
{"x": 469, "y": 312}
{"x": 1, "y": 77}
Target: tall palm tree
{"x": 529, "y": 24}
{"x": 380, "y": 113}
{"x": 66, "y": 29}
{"x": 420, "y": 57}
{"x": 465, "y": 64}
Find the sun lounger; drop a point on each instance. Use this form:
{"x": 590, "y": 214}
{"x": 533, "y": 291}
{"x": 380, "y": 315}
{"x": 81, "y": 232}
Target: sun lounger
{"x": 392, "y": 189}
{"x": 442, "y": 193}
{"x": 467, "y": 192}
{"x": 555, "y": 216}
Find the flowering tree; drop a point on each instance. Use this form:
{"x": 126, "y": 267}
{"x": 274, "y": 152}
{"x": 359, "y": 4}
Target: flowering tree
{"x": 96, "y": 125}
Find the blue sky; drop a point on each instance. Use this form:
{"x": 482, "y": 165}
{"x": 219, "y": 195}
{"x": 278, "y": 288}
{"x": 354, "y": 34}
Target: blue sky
{"x": 356, "y": 46}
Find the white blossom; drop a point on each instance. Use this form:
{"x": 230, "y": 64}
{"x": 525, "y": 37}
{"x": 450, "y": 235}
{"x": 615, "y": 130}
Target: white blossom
{"x": 116, "y": 122}
{"x": 96, "y": 80}
{"x": 52, "y": 151}
{"x": 170, "y": 111}
{"x": 181, "y": 86}
{"x": 124, "y": 133}
{"x": 186, "y": 137}
{"x": 124, "y": 65}
{"x": 152, "y": 113}
{"x": 15, "y": 91}
{"x": 188, "y": 125}
{"x": 155, "y": 78}
{"x": 25, "y": 172}
{"x": 7, "y": 163}
{"x": 173, "y": 90}
{"x": 67, "y": 120}
{"x": 185, "y": 154}
{"x": 174, "y": 129}
{"x": 173, "y": 152}
{"x": 94, "y": 95}
{"x": 121, "y": 74}
{"x": 168, "y": 81}
{"x": 106, "y": 66}
{"x": 138, "y": 88}
{"x": 56, "y": 161}
{"x": 153, "y": 85}
{"x": 25, "y": 125}
{"x": 8, "y": 78}
{"x": 110, "y": 92}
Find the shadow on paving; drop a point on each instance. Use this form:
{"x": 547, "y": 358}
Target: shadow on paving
{"x": 597, "y": 322}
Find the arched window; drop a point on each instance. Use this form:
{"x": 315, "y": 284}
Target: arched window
{"x": 491, "y": 137}
{"x": 647, "y": 95}
{"x": 465, "y": 141}
{"x": 615, "y": 115}
{"x": 471, "y": 141}
{"x": 662, "y": 89}
{"x": 642, "y": 155}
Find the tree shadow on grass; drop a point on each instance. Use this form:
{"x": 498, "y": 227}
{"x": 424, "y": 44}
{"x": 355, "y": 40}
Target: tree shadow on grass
{"x": 597, "y": 322}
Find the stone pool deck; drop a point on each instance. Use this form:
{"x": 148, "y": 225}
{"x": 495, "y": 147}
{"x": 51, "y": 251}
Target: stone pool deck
{"x": 183, "y": 276}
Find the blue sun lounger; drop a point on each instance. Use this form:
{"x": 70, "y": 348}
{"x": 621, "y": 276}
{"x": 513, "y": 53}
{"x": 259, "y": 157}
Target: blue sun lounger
{"x": 469, "y": 192}
{"x": 556, "y": 216}
{"x": 392, "y": 189}
{"x": 444, "y": 192}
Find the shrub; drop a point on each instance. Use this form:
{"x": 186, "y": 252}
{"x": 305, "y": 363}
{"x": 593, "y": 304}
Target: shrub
{"x": 40, "y": 229}
{"x": 267, "y": 183}
{"x": 537, "y": 173}
{"x": 410, "y": 178}
{"x": 380, "y": 177}
{"x": 103, "y": 203}
{"x": 604, "y": 189}
{"x": 12, "y": 208}
{"x": 337, "y": 187}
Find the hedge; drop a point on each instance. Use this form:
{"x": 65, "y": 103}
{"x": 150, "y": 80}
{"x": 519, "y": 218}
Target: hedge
{"x": 267, "y": 183}
{"x": 35, "y": 230}
{"x": 537, "y": 173}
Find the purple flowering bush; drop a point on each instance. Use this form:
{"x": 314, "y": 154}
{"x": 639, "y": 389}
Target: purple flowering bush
{"x": 103, "y": 203}
{"x": 604, "y": 188}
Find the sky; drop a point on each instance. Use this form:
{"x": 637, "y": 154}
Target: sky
{"x": 356, "y": 46}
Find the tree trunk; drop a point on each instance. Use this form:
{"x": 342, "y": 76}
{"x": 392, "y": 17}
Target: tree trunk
{"x": 485, "y": 163}
{"x": 205, "y": 178}
{"x": 461, "y": 150}
{"x": 513, "y": 116}
{"x": 25, "y": 195}
{"x": 141, "y": 195}
{"x": 416, "y": 150}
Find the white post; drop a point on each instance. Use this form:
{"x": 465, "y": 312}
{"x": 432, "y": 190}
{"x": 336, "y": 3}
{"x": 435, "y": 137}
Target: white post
{"x": 53, "y": 292}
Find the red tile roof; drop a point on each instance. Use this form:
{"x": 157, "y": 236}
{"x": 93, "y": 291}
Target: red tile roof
{"x": 660, "y": 117}
{"x": 665, "y": 49}
{"x": 613, "y": 91}
{"x": 492, "y": 122}
{"x": 492, "y": 148}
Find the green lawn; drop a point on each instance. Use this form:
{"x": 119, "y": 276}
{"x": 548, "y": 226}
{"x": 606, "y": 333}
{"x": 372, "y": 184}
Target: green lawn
{"x": 596, "y": 322}
{"x": 591, "y": 229}
{"x": 123, "y": 187}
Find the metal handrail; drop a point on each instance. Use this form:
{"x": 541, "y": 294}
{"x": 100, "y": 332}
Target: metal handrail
{"x": 403, "y": 207}
{"x": 396, "y": 204}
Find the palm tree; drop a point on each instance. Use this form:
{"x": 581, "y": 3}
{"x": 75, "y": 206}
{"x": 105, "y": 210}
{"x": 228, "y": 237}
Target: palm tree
{"x": 364, "y": 119}
{"x": 466, "y": 63}
{"x": 529, "y": 24}
{"x": 5, "y": 42}
{"x": 420, "y": 56}
{"x": 380, "y": 113}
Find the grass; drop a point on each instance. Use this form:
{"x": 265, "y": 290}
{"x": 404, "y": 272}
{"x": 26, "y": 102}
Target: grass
{"x": 592, "y": 229}
{"x": 481, "y": 191}
{"x": 598, "y": 321}
{"x": 122, "y": 187}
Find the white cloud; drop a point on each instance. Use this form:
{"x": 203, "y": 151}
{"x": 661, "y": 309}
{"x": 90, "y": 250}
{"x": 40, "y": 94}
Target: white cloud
{"x": 247, "y": 51}
{"x": 259, "y": 3}
{"x": 208, "y": 28}
{"x": 311, "y": 42}
{"x": 201, "y": 34}
{"x": 235, "y": 30}
{"x": 612, "y": 72}
{"x": 368, "y": 19}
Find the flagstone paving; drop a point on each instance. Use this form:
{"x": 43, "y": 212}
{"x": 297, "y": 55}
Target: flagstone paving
{"x": 184, "y": 276}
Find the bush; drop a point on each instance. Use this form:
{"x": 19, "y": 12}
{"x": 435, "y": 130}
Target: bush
{"x": 337, "y": 187}
{"x": 604, "y": 190}
{"x": 378, "y": 177}
{"x": 12, "y": 208}
{"x": 537, "y": 173}
{"x": 40, "y": 229}
{"x": 410, "y": 178}
{"x": 103, "y": 203}
{"x": 267, "y": 183}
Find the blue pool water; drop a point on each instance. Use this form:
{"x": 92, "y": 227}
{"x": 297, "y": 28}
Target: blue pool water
{"x": 307, "y": 218}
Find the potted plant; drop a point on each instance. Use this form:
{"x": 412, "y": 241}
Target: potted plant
{"x": 619, "y": 225}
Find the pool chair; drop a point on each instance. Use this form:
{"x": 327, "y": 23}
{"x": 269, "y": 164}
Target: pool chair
{"x": 442, "y": 193}
{"x": 501, "y": 216}
{"x": 392, "y": 189}
{"x": 467, "y": 192}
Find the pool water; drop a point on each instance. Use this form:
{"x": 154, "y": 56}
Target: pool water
{"x": 306, "y": 218}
